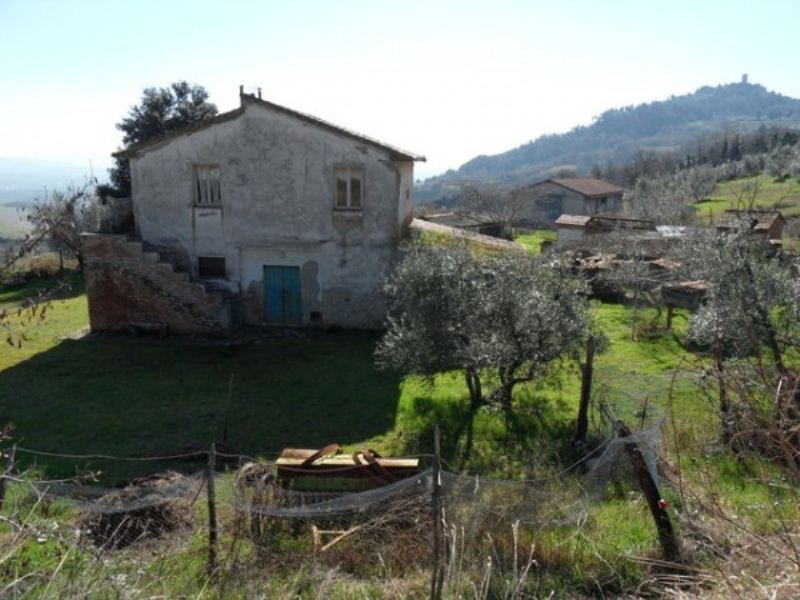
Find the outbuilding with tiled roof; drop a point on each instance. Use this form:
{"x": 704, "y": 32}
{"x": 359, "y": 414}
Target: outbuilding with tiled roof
{"x": 759, "y": 221}
{"x": 549, "y": 199}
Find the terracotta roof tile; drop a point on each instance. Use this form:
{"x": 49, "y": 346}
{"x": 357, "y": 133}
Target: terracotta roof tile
{"x": 588, "y": 186}
{"x": 574, "y": 220}
{"x": 759, "y": 220}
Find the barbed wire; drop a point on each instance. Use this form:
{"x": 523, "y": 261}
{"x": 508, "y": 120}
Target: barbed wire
{"x": 110, "y": 457}
{"x": 166, "y": 457}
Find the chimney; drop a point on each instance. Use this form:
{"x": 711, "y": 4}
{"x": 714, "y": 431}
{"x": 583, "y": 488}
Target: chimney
{"x": 259, "y": 93}
{"x": 744, "y": 78}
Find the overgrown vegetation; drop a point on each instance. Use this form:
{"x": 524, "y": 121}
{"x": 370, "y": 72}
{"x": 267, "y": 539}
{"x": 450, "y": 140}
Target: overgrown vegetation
{"x": 703, "y": 379}
{"x": 83, "y": 406}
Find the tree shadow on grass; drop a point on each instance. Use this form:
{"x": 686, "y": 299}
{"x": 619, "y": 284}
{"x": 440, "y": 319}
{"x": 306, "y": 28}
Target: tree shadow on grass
{"x": 538, "y": 431}
{"x": 114, "y": 395}
{"x": 455, "y": 421}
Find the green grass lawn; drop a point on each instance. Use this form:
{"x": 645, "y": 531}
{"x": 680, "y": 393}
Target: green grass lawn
{"x": 143, "y": 396}
{"x": 783, "y": 196}
{"x": 532, "y": 240}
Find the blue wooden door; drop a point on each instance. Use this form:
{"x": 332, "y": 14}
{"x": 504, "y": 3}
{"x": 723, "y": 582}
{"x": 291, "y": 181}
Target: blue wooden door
{"x": 282, "y": 301}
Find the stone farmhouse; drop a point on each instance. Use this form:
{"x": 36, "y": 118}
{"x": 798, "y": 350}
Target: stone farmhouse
{"x": 552, "y": 198}
{"x": 261, "y": 215}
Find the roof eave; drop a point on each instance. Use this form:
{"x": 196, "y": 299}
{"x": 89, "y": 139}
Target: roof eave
{"x": 151, "y": 144}
{"x": 618, "y": 191}
{"x": 396, "y": 154}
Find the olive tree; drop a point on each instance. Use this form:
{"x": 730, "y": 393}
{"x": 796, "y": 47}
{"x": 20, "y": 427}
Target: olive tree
{"x": 665, "y": 200}
{"x": 750, "y": 313}
{"x": 699, "y": 182}
{"x": 749, "y": 293}
{"x": 501, "y": 319}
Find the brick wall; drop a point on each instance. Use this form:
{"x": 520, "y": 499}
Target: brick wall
{"x": 125, "y": 284}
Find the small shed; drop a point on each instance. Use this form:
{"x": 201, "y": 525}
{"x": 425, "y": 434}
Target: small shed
{"x": 684, "y": 294}
{"x": 576, "y": 227}
{"x": 768, "y": 223}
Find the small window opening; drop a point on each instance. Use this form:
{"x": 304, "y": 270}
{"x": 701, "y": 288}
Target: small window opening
{"x": 211, "y": 267}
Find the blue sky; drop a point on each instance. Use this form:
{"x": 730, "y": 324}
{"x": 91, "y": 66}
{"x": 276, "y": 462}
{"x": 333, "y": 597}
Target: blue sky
{"x": 446, "y": 79}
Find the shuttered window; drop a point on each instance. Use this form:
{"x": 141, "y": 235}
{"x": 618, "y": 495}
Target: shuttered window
{"x": 207, "y": 186}
{"x": 349, "y": 188}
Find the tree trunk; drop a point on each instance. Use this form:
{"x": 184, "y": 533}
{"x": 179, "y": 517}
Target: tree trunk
{"x": 762, "y": 313}
{"x": 475, "y": 402}
{"x": 586, "y": 394}
{"x": 724, "y": 401}
{"x": 505, "y": 391}
{"x": 475, "y": 389}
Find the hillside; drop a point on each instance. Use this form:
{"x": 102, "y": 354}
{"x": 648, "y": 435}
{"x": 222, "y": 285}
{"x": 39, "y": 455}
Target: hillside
{"x": 12, "y": 222}
{"x": 619, "y": 134}
{"x": 23, "y": 179}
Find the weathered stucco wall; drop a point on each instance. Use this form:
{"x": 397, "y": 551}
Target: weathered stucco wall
{"x": 569, "y": 234}
{"x": 278, "y": 187}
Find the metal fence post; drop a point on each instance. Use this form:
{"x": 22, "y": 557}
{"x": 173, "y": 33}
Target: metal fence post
{"x": 212, "y": 512}
{"x": 436, "y": 493}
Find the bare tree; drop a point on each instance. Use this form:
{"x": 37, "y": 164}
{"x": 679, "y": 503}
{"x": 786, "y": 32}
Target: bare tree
{"x": 57, "y": 220}
{"x": 501, "y": 205}
{"x": 746, "y": 193}
{"x": 60, "y": 217}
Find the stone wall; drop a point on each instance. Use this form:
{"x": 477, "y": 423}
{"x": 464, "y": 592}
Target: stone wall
{"x": 126, "y": 284}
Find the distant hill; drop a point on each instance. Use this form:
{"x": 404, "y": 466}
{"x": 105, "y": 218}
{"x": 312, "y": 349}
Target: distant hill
{"x": 24, "y": 179}
{"x": 617, "y": 135}
{"x": 12, "y": 223}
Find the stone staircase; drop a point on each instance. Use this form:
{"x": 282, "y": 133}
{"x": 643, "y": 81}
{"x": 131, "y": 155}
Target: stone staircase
{"x": 128, "y": 281}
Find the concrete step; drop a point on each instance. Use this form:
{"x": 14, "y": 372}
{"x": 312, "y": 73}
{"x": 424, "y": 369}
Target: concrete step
{"x": 134, "y": 245}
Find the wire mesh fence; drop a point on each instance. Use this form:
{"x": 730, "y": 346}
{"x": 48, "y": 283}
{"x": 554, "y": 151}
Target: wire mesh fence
{"x": 386, "y": 529}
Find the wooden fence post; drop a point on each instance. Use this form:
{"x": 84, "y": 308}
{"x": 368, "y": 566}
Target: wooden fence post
{"x": 6, "y": 472}
{"x": 212, "y": 512}
{"x": 670, "y": 547}
{"x": 436, "y": 501}
{"x": 586, "y": 394}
